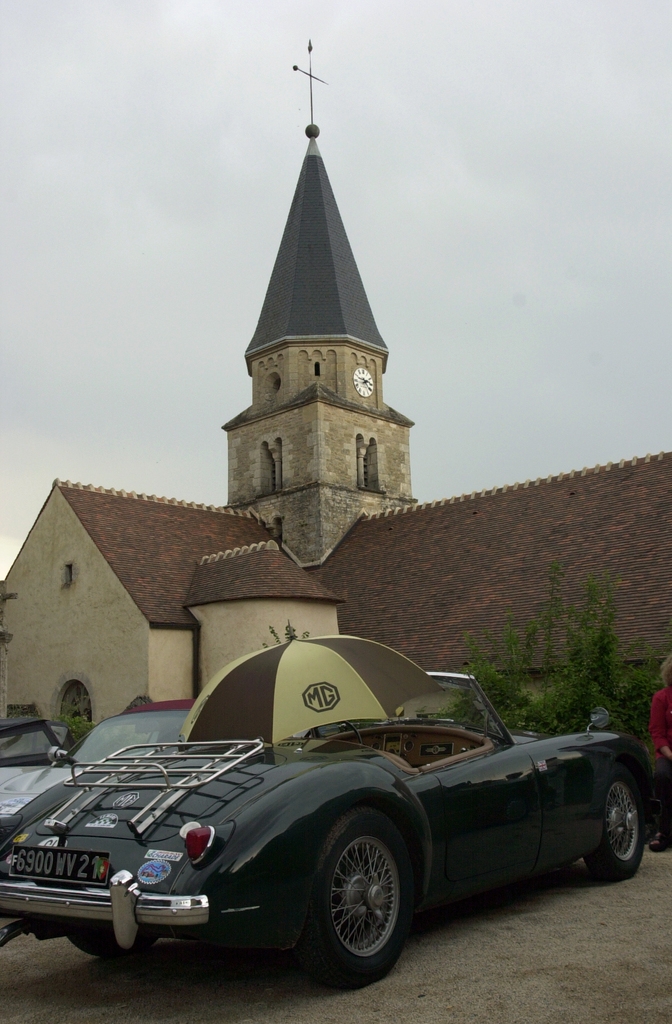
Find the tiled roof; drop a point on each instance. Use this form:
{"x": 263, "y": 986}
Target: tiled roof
{"x": 262, "y": 572}
{"x": 418, "y": 580}
{"x": 154, "y": 544}
{"x": 315, "y": 288}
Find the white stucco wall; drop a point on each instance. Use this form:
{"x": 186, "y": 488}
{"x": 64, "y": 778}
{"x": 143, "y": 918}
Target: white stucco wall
{"x": 91, "y": 630}
{"x": 230, "y": 629}
{"x": 170, "y": 664}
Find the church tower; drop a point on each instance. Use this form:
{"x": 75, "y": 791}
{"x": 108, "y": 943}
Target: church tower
{"x": 318, "y": 444}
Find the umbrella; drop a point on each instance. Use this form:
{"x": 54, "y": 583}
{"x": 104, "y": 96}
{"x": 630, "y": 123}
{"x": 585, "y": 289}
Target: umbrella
{"x": 301, "y": 684}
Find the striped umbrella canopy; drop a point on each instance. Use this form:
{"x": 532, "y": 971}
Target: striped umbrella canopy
{"x": 282, "y": 690}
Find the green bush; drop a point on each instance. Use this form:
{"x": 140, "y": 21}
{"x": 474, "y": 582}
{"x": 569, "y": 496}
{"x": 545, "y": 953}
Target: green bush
{"x": 549, "y": 674}
{"x": 76, "y": 723}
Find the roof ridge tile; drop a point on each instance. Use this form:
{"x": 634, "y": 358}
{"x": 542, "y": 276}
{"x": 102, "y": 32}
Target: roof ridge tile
{"x": 227, "y": 510}
{"x": 247, "y": 549}
{"x": 503, "y": 488}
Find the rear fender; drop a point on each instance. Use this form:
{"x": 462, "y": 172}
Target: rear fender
{"x": 259, "y": 887}
{"x": 643, "y": 780}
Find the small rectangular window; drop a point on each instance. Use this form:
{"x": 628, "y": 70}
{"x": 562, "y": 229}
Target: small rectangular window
{"x": 68, "y": 574}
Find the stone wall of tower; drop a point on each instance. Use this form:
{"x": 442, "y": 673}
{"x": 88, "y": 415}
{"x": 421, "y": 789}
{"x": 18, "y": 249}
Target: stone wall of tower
{"x": 318, "y": 443}
{"x": 315, "y": 517}
{"x": 319, "y": 497}
{"x": 281, "y": 373}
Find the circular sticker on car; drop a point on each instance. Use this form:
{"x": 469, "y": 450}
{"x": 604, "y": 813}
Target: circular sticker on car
{"x": 153, "y": 871}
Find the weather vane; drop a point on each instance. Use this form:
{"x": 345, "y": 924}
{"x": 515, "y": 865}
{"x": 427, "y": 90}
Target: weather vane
{"x": 312, "y": 131}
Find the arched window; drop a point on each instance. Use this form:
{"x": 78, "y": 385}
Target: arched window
{"x": 371, "y": 465}
{"x": 271, "y": 466}
{"x": 272, "y": 386}
{"x": 267, "y": 469}
{"x": 317, "y": 369}
{"x": 360, "y": 452}
{"x": 76, "y": 700}
{"x": 367, "y": 463}
{"x": 276, "y": 452}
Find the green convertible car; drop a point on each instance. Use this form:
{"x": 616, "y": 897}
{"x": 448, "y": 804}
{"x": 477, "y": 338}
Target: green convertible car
{"x": 327, "y": 842}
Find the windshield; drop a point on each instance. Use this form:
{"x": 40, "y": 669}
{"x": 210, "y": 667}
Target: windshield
{"x": 127, "y": 730}
{"x": 22, "y": 744}
{"x": 463, "y": 703}
{"x": 460, "y": 701}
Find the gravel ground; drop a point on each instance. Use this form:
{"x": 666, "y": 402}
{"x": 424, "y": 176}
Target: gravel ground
{"x": 558, "y": 948}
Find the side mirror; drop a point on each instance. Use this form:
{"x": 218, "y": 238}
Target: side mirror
{"x": 599, "y": 719}
{"x": 56, "y": 754}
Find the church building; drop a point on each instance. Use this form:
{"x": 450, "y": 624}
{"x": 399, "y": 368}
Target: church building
{"x": 125, "y": 595}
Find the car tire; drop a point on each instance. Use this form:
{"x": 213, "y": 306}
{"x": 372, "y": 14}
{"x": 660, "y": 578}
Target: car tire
{"x": 104, "y": 944}
{"x": 361, "y": 904}
{"x": 623, "y": 830}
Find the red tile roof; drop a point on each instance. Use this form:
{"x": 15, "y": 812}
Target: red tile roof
{"x": 419, "y": 580}
{"x": 154, "y": 545}
{"x": 260, "y": 573}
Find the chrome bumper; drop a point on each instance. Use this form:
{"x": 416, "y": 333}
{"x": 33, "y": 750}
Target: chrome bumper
{"x": 91, "y": 904}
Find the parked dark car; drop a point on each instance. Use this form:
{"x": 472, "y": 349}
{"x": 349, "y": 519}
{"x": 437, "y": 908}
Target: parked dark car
{"x": 326, "y": 842}
{"x": 27, "y": 741}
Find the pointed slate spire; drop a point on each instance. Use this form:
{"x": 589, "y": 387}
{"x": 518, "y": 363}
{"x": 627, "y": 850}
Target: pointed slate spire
{"x": 315, "y": 288}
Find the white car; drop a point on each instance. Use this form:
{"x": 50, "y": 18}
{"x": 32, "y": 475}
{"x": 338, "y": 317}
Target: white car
{"x": 149, "y": 723}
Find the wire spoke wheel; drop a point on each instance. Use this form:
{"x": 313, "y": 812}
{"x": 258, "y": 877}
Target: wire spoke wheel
{"x": 622, "y": 820}
{"x": 362, "y": 902}
{"x": 619, "y": 853}
{"x": 365, "y": 896}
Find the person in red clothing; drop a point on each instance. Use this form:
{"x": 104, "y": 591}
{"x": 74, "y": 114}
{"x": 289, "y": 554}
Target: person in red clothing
{"x": 660, "y": 727}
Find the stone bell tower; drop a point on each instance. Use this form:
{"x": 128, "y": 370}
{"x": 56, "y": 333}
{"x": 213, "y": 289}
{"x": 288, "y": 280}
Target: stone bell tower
{"x": 318, "y": 444}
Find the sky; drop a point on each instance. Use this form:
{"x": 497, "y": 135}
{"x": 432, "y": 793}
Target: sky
{"x": 502, "y": 168}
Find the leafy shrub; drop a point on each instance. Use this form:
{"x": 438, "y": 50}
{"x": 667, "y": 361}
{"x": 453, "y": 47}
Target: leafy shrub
{"x": 76, "y": 723}
{"x": 549, "y": 674}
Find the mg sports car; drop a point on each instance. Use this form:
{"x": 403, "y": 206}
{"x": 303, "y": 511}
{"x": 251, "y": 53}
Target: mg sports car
{"x": 326, "y": 841}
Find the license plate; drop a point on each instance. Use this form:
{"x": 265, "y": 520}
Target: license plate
{"x": 68, "y": 865}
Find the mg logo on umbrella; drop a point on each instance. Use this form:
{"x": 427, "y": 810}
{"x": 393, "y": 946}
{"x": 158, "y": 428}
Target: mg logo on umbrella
{"x": 280, "y": 691}
{"x": 321, "y": 697}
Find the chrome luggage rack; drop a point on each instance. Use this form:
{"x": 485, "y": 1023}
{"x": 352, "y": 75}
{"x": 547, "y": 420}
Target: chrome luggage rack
{"x": 172, "y": 768}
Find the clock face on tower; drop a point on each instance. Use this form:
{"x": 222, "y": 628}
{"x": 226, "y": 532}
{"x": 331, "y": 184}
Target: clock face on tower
{"x": 363, "y": 382}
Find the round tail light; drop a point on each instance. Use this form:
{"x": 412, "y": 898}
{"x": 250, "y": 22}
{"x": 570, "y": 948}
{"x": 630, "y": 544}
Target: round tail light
{"x": 198, "y": 842}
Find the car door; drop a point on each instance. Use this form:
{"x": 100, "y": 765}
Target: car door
{"x": 492, "y": 817}
{"x": 572, "y": 779}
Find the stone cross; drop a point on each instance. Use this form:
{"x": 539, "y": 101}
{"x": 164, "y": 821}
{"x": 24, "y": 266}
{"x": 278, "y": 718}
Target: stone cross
{"x": 5, "y": 637}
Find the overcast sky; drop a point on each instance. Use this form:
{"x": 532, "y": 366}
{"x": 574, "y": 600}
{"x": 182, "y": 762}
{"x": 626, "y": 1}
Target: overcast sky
{"x": 503, "y": 171}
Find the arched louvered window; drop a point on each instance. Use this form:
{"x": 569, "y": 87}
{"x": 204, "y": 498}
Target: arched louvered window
{"x": 371, "y": 465}
{"x": 271, "y": 466}
{"x": 267, "y": 470}
{"x": 360, "y": 453}
{"x": 276, "y": 452}
{"x": 367, "y": 463}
